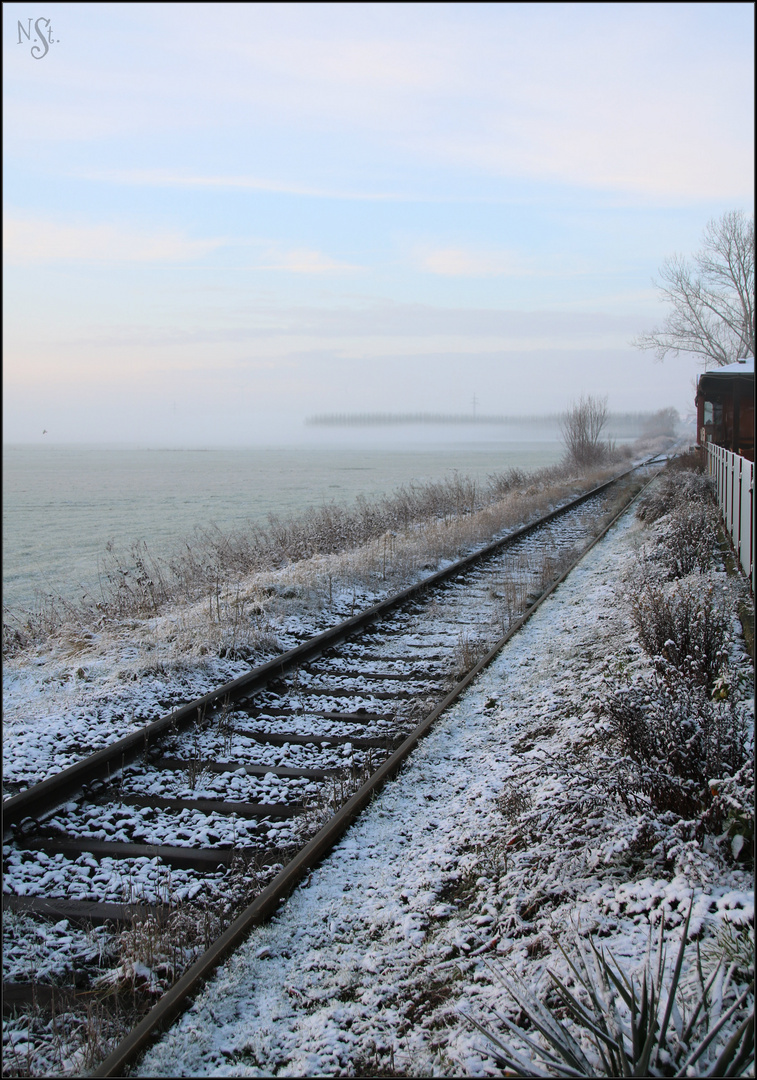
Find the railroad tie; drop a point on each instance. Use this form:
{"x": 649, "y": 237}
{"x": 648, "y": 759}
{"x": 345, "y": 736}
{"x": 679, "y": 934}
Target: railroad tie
{"x": 82, "y": 911}
{"x": 181, "y": 858}
{"x": 361, "y": 716}
{"x": 286, "y": 738}
{"x": 216, "y": 806}
{"x": 182, "y": 764}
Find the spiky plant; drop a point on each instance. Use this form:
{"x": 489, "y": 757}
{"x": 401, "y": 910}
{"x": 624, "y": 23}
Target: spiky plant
{"x": 651, "y": 1036}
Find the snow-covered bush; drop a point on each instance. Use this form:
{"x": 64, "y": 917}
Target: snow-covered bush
{"x": 687, "y": 543}
{"x": 675, "y": 489}
{"x": 683, "y": 626}
{"x": 679, "y": 741}
{"x": 732, "y": 811}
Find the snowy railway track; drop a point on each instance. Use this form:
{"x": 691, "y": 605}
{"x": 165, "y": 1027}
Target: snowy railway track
{"x": 244, "y": 789}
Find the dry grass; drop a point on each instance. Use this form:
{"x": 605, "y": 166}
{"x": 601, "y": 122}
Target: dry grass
{"x": 469, "y": 650}
{"x": 225, "y": 594}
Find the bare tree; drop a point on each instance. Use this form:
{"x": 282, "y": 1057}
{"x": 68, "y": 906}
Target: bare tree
{"x": 712, "y": 297}
{"x": 581, "y": 427}
{"x": 663, "y": 422}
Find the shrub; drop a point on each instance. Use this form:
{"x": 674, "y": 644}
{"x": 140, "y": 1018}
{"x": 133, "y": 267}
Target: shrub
{"x": 678, "y": 489}
{"x": 683, "y": 627}
{"x": 581, "y": 427}
{"x": 678, "y": 741}
{"x": 688, "y": 540}
{"x": 691, "y": 460}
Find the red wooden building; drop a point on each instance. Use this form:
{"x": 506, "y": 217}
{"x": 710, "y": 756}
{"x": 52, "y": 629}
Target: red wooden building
{"x": 725, "y": 407}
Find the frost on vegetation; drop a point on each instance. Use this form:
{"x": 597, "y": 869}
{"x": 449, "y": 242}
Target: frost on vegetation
{"x": 677, "y": 744}
{"x": 685, "y": 628}
{"x": 468, "y": 651}
{"x": 153, "y": 952}
{"x": 603, "y": 1021}
{"x": 679, "y": 598}
{"x": 71, "y": 1041}
{"x": 656, "y": 806}
{"x": 688, "y": 731}
{"x": 228, "y": 588}
{"x": 674, "y": 491}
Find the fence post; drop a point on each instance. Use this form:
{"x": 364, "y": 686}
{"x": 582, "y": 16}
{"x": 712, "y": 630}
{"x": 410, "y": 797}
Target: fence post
{"x": 727, "y": 492}
{"x": 737, "y": 512}
{"x": 750, "y": 501}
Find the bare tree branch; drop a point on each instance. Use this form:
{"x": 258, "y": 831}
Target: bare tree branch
{"x": 712, "y": 298}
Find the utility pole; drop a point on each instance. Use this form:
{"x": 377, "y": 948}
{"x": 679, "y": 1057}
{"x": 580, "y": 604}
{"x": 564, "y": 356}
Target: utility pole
{"x": 475, "y": 402}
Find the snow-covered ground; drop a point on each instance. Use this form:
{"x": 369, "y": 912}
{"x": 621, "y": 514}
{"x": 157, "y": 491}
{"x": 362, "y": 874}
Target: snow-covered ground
{"x": 72, "y": 696}
{"x": 504, "y": 831}
{"x": 503, "y": 834}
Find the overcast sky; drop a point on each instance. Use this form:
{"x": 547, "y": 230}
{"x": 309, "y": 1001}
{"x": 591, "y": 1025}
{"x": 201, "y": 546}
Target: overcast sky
{"x": 223, "y": 218}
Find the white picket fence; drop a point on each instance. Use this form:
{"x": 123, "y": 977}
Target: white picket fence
{"x": 734, "y": 487}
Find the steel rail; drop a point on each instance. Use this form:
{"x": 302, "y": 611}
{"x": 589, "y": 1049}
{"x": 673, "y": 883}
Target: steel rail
{"x": 181, "y": 994}
{"x": 48, "y": 795}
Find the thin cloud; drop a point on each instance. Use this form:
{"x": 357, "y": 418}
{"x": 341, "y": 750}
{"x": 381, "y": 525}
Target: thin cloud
{"x": 305, "y": 261}
{"x": 649, "y": 101}
{"x": 162, "y": 178}
{"x": 466, "y": 262}
{"x": 158, "y": 178}
{"x": 39, "y": 240}
{"x": 28, "y": 240}
{"x": 409, "y": 322}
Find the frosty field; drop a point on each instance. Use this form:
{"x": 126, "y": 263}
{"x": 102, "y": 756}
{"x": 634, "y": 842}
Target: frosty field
{"x": 63, "y": 504}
